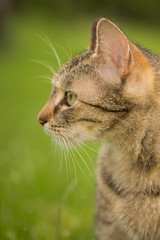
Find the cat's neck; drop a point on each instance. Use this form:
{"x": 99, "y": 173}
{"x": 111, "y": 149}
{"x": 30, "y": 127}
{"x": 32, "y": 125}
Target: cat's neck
{"x": 151, "y": 56}
{"x": 154, "y": 59}
{"x": 132, "y": 157}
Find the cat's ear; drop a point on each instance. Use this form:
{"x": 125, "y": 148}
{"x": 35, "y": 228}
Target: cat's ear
{"x": 94, "y": 34}
{"x": 109, "y": 42}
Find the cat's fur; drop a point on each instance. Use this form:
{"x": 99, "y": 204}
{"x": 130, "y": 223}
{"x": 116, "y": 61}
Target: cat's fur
{"x": 118, "y": 92}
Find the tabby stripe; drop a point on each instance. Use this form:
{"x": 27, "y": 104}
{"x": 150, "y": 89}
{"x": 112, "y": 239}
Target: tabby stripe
{"x": 106, "y": 109}
{"x": 107, "y": 179}
{"x": 86, "y": 120}
{"x": 103, "y": 220}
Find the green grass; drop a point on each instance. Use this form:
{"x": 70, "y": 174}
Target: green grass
{"x": 34, "y": 202}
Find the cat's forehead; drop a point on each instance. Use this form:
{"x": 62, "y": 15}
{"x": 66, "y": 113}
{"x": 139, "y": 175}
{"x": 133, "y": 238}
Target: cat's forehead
{"x": 77, "y": 67}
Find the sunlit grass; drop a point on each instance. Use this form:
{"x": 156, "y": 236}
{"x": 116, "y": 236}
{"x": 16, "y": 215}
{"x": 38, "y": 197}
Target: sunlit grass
{"x": 34, "y": 203}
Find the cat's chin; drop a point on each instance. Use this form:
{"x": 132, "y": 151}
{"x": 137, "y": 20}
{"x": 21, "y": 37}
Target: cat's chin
{"x": 47, "y": 130}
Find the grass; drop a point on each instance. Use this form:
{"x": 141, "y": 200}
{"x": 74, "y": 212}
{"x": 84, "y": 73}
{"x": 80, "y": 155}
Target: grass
{"x": 36, "y": 201}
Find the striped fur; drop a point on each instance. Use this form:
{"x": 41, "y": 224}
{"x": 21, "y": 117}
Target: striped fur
{"x": 118, "y": 91}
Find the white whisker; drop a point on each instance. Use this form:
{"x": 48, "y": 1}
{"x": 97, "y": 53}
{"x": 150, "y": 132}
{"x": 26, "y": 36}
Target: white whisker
{"x": 58, "y": 45}
{"x": 50, "y": 44}
{"x": 71, "y": 145}
{"x": 47, "y": 78}
{"x": 45, "y": 64}
{"x": 67, "y": 154}
{"x": 61, "y": 161}
{"x": 72, "y": 159}
{"x": 86, "y": 144}
{"x": 70, "y": 50}
{"x": 123, "y": 121}
{"x": 66, "y": 162}
{"x": 58, "y": 146}
{"x": 82, "y": 159}
{"x": 76, "y": 140}
{"x": 53, "y": 146}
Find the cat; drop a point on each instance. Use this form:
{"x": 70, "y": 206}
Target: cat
{"x": 111, "y": 94}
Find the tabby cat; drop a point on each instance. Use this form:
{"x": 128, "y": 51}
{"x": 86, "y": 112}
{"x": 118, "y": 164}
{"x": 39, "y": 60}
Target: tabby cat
{"x": 111, "y": 93}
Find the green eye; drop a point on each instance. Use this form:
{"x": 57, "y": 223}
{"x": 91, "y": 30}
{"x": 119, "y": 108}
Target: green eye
{"x": 70, "y": 97}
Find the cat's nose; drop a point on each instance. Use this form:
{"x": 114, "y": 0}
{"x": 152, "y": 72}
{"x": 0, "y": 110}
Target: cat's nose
{"x": 42, "y": 121}
{"x": 45, "y": 114}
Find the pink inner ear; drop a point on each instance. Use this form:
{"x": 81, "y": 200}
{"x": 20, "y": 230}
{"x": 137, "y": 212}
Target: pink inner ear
{"x": 109, "y": 74}
{"x": 112, "y": 43}
{"x": 118, "y": 52}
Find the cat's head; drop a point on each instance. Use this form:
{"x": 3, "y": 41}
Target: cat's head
{"x": 96, "y": 91}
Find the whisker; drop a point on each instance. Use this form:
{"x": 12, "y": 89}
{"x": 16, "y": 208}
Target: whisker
{"x": 51, "y": 54}
{"x": 66, "y": 162}
{"x": 70, "y": 144}
{"x": 82, "y": 133}
{"x": 52, "y": 64}
{"x": 50, "y": 44}
{"x": 123, "y": 121}
{"x": 67, "y": 154}
{"x": 58, "y": 146}
{"x": 86, "y": 144}
{"x": 70, "y": 50}
{"x": 72, "y": 159}
{"x": 76, "y": 140}
{"x": 48, "y": 78}
{"x": 65, "y": 51}
{"x": 91, "y": 148}
{"x": 82, "y": 159}
{"x": 45, "y": 64}
{"x": 74, "y": 166}
{"x": 53, "y": 146}
{"x": 61, "y": 162}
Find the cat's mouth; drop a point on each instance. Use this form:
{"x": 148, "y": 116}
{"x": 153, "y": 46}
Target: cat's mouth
{"x": 60, "y": 133}
{"x": 52, "y": 129}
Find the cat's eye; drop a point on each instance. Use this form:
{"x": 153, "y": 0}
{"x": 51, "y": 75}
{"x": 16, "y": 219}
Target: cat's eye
{"x": 70, "y": 97}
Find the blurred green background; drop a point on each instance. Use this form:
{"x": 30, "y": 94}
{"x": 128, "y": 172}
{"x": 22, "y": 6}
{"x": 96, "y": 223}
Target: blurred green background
{"x": 38, "y": 198}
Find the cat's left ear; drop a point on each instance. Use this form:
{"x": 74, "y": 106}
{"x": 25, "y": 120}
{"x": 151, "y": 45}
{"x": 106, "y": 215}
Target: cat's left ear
{"x": 108, "y": 42}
